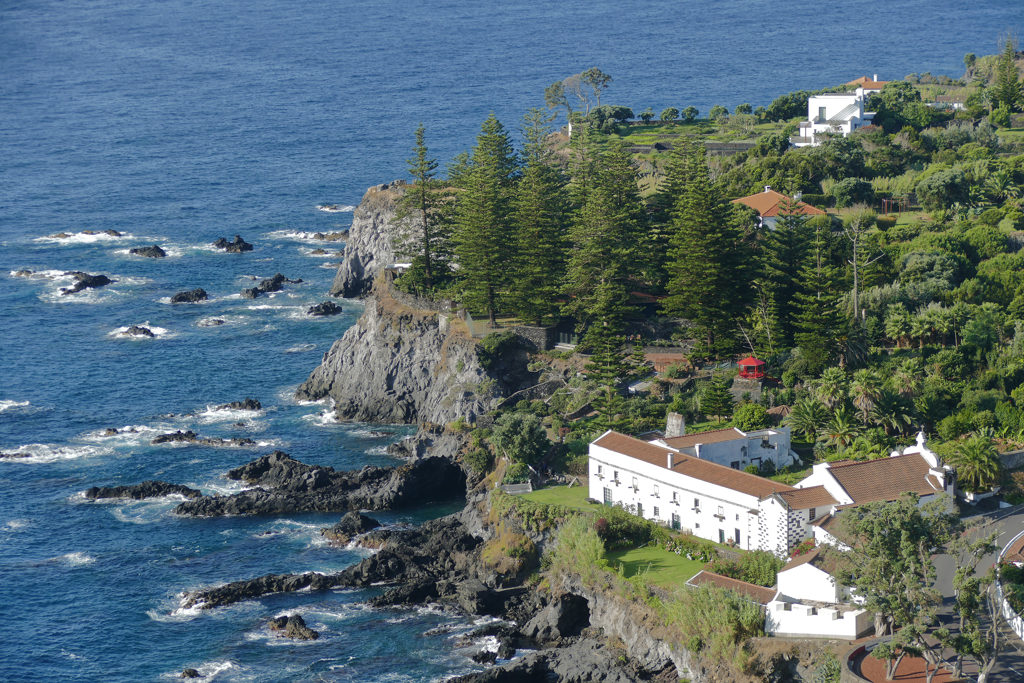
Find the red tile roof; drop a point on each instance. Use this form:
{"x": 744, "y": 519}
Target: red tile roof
{"x": 767, "y": 204}
{"x": 713, "y": 436}
{"x": 826, "y": 562}
{"x": 804, "y": 499}
{"x": 750, "y": 484}
{"x": 758, "y": 594}
{"x": 883, "y": 479}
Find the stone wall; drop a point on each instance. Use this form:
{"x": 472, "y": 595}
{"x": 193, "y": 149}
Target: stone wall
{"x": 1012, "y": 459}
{"x": 534, "y": 393}
{"x": 846, "y": 674}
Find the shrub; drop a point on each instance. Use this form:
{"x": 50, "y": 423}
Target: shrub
{"x": 752, "y": 469}
{"x": 490, "y": 348}
{"x": 520, "y": 437}
{"x": 517, "y": 473}
{"x": 750, "y": 417}
{"x": 885, "y": 222}
{"x": 850, "y": 191}
{"x": 479, "y": 460}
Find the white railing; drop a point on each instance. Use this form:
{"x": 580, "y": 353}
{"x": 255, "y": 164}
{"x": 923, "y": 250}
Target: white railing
{"x": 1012, "y": 618}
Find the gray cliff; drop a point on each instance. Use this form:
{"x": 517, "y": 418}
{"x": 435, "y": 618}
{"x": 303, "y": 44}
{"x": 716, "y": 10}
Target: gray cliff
{"x": 401, "y": 365}
{"x": 370, "y": 244}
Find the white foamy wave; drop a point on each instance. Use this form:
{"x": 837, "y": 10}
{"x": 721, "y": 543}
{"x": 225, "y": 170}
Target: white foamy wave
{"x": 213, "y": 415}
{"x": 331, "y": 266}
{"x": 145, "y": 511}
{"x": 129, "y": 435}
{"x": 322, "y": 419}
{"x": 211, "y": 669}
{"x": 8, "y": 405}
{"x": 74, "y": 559}
{"x": 224, "y": 487}
{"x": 301, "y": 348}
{"x": 326, "y": 253}
{"x": 46, "y": 453}
{"x": 122, "y": 331}
{"x": 335, "y": 208}
{"x": 39, "y": 274}
{"x": 15, "y": 524}
{"x": 82, "y": 238}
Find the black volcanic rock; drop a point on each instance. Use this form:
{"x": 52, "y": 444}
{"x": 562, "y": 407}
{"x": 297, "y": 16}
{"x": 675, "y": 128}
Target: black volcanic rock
{"x": 191, "y": 673}
{"x": 287, "y": 485}
{"x": 212, "y": 322}
{"x": 271, "y": 284}
{"x": 85, "y": 281}
{"x": 247, "y": 404}
{"x": 152, "y": 252}
{"x": 293, "y": 627}
{"x": 352, "y": 524}
{"x": 324, "y": 308}
{"x": 14, "y": 456}
{"x": 147, "y": 489}
{"x": 191, "y": 437}
{"x": 138, "y": 331}
{"x": 236, "y": 247}
{"x": 190, "y": 297}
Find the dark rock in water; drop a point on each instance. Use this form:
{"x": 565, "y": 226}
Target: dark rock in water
{"x": 287, "y": 485}
{"x": 14, "y": 456}
{"x": 191, "y": 673}
{"x": 584, "y": 661}
{"x": 271, "y": 284}
{"x": 190, "y": 297}
{"x": 152, "y": 252}
{"x": 331, "y": 237}
{"x": 325, "y": 308}
{"x": 239, "y": 424}
{"x": 61, "y": 236}
{"x": 506, "y": 650}
{"x": 24, "y": 273}
{"x": 318, "y": 252}
{"x": 563, "y": 617}
{"x": 191, "y": 437}
{"x": 112, "y": 233}
{"x": 212, "y": 322}
{"x": 236, "y": 247}
{"x": 147, "y": 489}
{"x": 293, "y": 627}
{"x": 484, "y": 657}
{"x": 85, "y": 281}
{"x": 110, "y": 432}
{"x": 378, "y": 433}
{"x": 138, "y": 331}
{"x": 247, "y": 404}
{"x": 352, "y": 524}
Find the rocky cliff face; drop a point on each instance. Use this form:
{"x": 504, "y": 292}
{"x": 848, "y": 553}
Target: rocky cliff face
{"x": 370, "y": 240}
{"x": 401, "y": 365}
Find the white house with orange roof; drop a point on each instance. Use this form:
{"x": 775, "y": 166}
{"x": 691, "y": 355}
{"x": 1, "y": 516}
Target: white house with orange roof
{"x": 837, "y": 113}
{"x": 769, "y": 204}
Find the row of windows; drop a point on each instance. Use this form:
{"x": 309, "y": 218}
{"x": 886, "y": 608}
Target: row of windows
{"x": 657, "y": 494}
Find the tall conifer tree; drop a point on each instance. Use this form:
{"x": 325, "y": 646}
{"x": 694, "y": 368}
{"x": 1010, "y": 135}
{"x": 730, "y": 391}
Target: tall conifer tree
{"x": 819, "y": 322}
{"x": 541, "y": 223}
{"x": 784, "y": 249}
{"x": 710, "y": 261}
{"x": 422, "y": 238}
{"x": 483, "y": 219}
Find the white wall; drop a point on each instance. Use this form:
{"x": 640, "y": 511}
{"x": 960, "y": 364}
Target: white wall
{"x": 800, "y": 620}
{"x": 807, "y": 582}
{"x": 703, "y": 522}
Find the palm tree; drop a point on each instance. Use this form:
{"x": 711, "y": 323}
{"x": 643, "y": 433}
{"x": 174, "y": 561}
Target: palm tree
{"x": 897, "y": 324}
{"x": 1000, "y": 185}
{"x": 920, "y": 327}
{"x": 807, "y": 417}
{"x": 865, "y": 390}
{"x": 977, "y": 464}
{"x": 906, "y": 379}
{"x": 842, "y": 429}
{"x": 892, "y": 412}
{"x": 941, "y": 319}
{"x": 832, "y": 387}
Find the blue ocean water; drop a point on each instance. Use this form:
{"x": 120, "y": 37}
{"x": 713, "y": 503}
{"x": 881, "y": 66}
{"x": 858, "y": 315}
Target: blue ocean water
{"x": 179, "y": 122}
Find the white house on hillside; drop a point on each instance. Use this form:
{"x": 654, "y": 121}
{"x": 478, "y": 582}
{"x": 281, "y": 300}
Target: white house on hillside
{"x": 735, "y": 448}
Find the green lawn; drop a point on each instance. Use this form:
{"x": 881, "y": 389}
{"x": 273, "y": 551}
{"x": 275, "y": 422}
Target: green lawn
{"x": 575, "y": 497}
{"x": 663, "y": 568}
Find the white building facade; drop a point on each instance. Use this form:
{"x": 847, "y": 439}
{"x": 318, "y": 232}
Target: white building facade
{"x": 832, "y": 114}
{"x": 735, "y": 448}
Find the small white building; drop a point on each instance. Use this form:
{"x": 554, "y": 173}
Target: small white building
{"x": 831, "y": 114}
{"x": 735, "y": 448}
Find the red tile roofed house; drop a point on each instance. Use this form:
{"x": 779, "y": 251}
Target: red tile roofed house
{"x": 709, "y": 500}
{"x": 770, "y": 203}
{"x": 758, "y": 594}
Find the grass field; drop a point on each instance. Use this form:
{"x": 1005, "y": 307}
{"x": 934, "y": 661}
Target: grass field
{"x": 663, "y": 568}
{"x": 575, "y": 497}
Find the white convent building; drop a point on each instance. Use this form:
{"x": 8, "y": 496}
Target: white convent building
{"x": 686, "y": 489}
{"x": 837, "y": 113}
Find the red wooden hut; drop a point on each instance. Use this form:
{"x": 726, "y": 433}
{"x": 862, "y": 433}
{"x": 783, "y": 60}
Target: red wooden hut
{"x": 751, "y": 368}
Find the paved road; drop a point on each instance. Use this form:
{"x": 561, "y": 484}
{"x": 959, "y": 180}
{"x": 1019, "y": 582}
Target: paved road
{"x": 1009, "y": 667}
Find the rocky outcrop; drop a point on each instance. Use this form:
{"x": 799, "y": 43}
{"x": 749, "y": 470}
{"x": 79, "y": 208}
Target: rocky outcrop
{"x": 287, "y": 485}
{"x": 247, "y": 404}
{"x": 235, "y": 247}
{"x": 271, "y": 284}
{"x": 293, "y": 627}
{"x": 370, "y": 244}
{"x": 430, "y": 438}
{"x": 147, "y": 489}
{"x": 85, "y": 281}
{"x": 324, "y": 308}
{"x": 331, "y": 236}
{"x": 191, "y": 437}
{"x": 151, "y": 252}
{"x": 190, "y": 297}
{"x": 191, "y": 673}
{"x": 137, "y": 331}
{"x": 210, "y": 322}
{"x": 352, "y": 524}
{"x": 14, "y": 456}
{"x": 398, "y": 364}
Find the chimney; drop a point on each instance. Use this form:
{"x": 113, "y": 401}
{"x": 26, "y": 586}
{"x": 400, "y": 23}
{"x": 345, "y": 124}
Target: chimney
{"x": 674, "y": 425}
{"x": 875, "y": 78}
{"x": 798, "y": 196}
{"x": 671, "y": 460}
{"x": 767, "y": 188}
